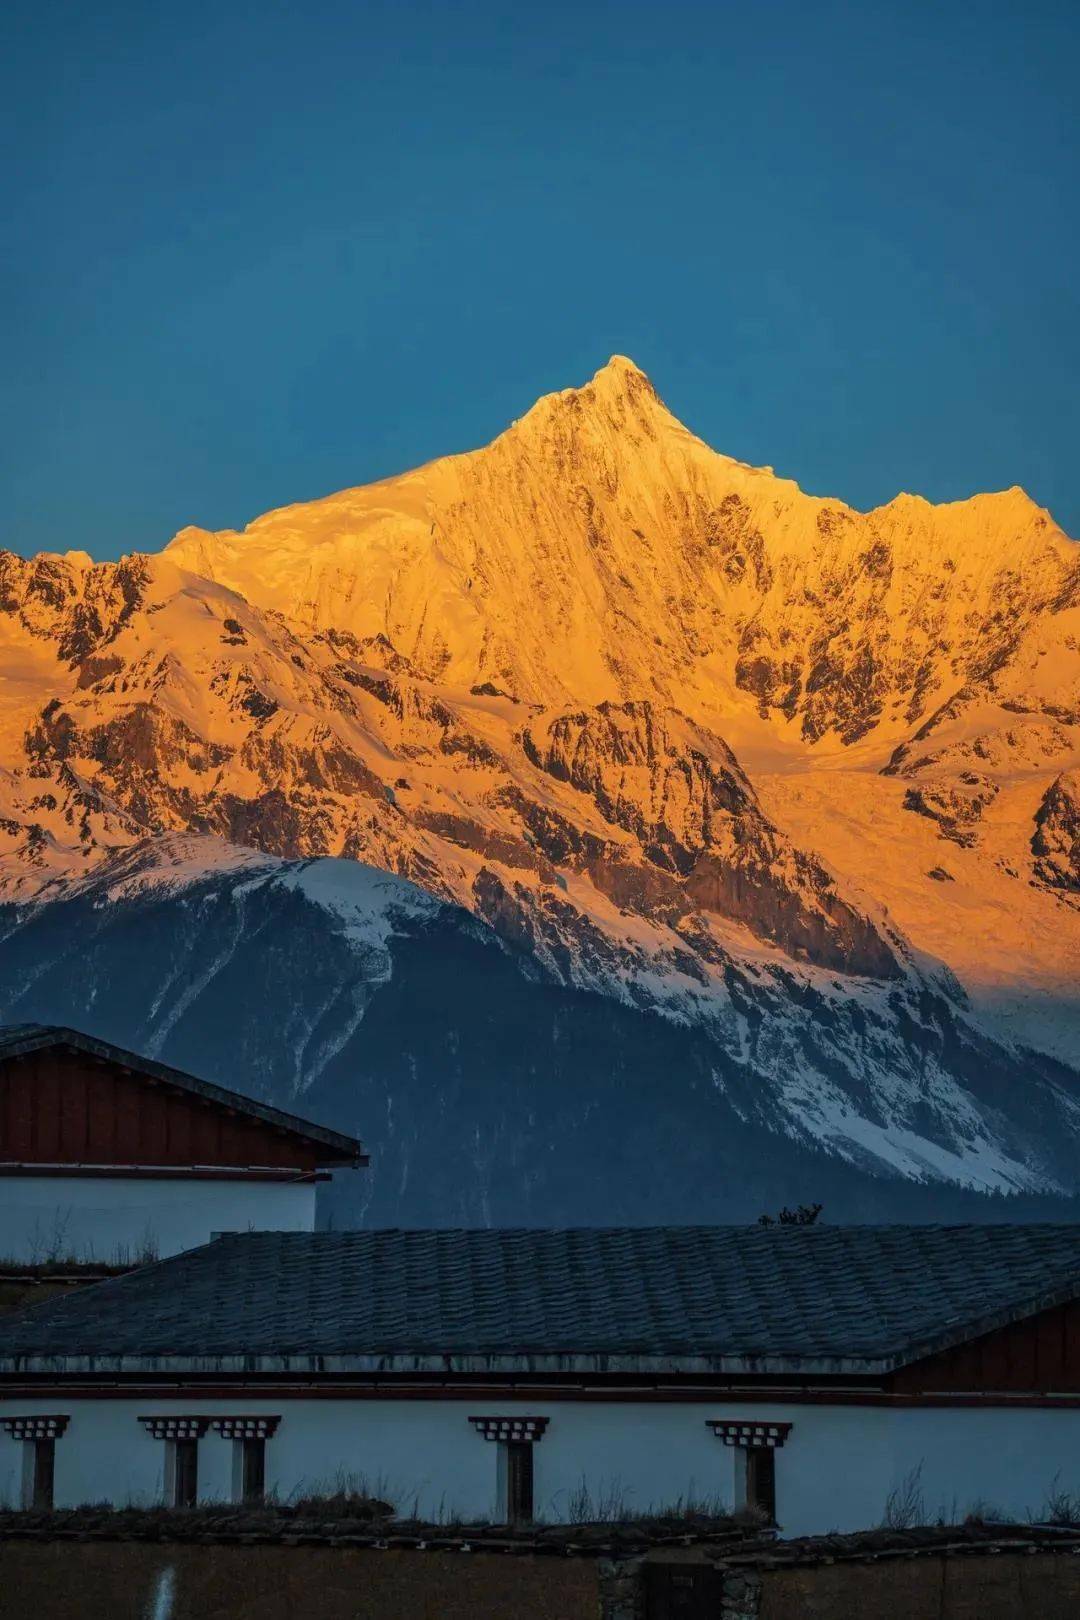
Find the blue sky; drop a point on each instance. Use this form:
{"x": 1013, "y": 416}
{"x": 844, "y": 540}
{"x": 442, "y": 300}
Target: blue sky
{"x": 256, "y": 253}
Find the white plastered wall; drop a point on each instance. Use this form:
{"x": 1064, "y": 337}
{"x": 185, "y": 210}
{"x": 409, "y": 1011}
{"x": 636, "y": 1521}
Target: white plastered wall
{"x": 122, "y": 1218}
{"x": 835, "y": 1471}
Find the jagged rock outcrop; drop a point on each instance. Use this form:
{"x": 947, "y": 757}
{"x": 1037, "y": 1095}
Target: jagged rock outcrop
{"x": 71, "y": 602}
{"x": 956, "y": 805}
{"x": 680, "y": 791}
{"x": 1056, "y": 840}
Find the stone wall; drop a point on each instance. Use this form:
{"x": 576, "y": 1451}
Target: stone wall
{"x": 1014, "y": 1575}
{"x": 60, "y": 1577}
{"x": 1012, "y": 1586}
{"x": 68, "y": 1580}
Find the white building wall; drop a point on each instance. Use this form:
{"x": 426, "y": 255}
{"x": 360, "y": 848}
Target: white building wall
{"x": 121, "y": 1218}
{"x": 835, "y": 1471}
{"x": 1000, "y": 1460}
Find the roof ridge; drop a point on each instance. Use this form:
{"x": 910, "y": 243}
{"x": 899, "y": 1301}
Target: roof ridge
{"x": 768, "y": 1232}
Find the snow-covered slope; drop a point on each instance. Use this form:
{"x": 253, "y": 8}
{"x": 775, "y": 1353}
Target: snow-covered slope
{"x": 796, "y": 781}
{"x": 490, "y": 1089}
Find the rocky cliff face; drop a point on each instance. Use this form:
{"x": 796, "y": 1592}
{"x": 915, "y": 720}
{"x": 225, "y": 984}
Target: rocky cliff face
{"x": 673, "y": 734}
{"x": 1056, "y": 843}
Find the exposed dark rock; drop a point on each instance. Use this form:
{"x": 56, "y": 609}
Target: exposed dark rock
{"x": 680, "y": 791}
{"x": 472, "y": 835}
{"x": 1055, "y": 842}
{"x": 258, "y": 705}
{"x": 956, "y": 806}
{"x": 93, "y": 671}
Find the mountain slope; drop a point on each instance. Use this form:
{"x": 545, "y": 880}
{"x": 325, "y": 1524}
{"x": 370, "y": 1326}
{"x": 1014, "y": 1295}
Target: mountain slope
{"x": 492, "y": 1091}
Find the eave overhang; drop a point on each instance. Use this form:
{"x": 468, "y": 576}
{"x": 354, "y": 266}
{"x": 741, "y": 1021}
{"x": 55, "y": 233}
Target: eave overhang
{"x": 161, "y": 1172}
{"x": 305, "y": 1363}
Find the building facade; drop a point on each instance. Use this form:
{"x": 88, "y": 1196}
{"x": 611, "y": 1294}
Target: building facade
{"x": 837, "y": 1469}
{"x": 816, "y": 1375}
{"x": 109, "y": 1157}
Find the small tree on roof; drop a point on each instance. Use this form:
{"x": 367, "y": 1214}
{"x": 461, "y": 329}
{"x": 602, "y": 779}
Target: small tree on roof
{"x": 804, "y": 1215}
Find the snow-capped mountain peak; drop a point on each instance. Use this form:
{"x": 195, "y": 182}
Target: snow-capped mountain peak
{"x": 652, "y": 725}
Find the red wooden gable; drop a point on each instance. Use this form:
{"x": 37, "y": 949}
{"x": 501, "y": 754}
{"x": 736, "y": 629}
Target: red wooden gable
{"x": 70, "y": 1107}
{"x": 1039, "y": 1354}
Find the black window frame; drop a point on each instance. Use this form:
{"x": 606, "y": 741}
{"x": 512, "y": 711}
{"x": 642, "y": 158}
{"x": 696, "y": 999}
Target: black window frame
{"x": 43, "y": 1473}
{"x": 519, "y": 1481}
{"x": 761, "y": 1480}
{"x": 184, "y": 1485}
{"x": 252, "y": 1469}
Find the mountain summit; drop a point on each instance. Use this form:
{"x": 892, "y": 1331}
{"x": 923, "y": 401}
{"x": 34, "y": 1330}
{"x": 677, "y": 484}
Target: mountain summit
{"x": 598, "y": 549}
{"x": 684, "y": 760}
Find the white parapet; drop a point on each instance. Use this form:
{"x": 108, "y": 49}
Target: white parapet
{"x": 133, "y": 1217}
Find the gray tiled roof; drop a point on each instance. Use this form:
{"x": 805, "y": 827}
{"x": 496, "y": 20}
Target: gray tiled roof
{"x": 812, "y": 1299}
{"x": 18, "y": 1039}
